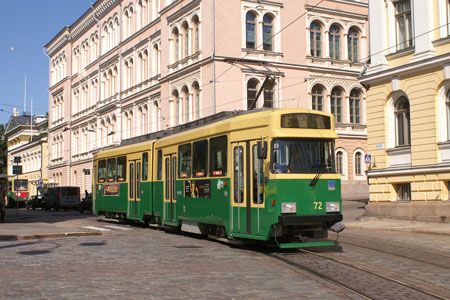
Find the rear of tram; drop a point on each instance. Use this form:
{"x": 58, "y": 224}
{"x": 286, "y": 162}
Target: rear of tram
{"x": 286, "y": 189}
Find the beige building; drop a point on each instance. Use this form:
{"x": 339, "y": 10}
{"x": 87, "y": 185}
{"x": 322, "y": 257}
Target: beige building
{"x": 26, "y": 138}
{"x": 126, "y": 68}
{"x": 408, "y": 109}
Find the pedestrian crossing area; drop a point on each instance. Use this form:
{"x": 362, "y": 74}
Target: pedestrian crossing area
{"x": 105, "y": 228}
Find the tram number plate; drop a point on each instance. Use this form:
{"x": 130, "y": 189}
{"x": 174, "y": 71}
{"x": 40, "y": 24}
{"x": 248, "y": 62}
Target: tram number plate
{"x": 317, "y": 205}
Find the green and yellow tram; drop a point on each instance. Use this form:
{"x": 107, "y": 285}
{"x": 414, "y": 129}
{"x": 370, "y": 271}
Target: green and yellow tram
{"x": 18, "y": 190}
{"x": 264, "y": 175}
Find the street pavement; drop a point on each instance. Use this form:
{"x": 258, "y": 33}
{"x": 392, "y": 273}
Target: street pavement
{"x": 23, "y": 224}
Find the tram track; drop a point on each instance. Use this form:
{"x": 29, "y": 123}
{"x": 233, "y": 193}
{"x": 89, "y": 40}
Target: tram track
{"x": 435, "y": 260}
{"x": 359, "y": 280}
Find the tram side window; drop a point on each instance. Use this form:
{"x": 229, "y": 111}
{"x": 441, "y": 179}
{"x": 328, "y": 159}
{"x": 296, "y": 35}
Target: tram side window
{"x": 184, "y": 154}
{"x": 122, "y": 168}
{"x": 200, "y": 158}
{"x": 218, "y": 156}
{"x": 101, "y": 171}
{"x": 111, "y": 170}
{"x": 159, "y": 160}
{"x": 145, "y": 166}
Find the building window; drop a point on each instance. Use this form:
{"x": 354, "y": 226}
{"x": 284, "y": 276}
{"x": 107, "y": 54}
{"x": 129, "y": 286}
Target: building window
{"x": 447, "y": 108}
{"x": 335, "y": 42}
{"x": 185, "y": 39}
{"x": 268, "y": 32}
{"x": 403, "y": 24}
{"x": 358, "y": 164}
{"x": 339, "y": 163}
{"x": 402, "y": 122}
{"x": 336, "y": 104}
{"x": 403, "y": 191}
{"x": 252, "y": 90}
{"x": 196, "y": 38}
{"x": 317, "y": 98}
{"x": 250, "y": 31}
{"x": 315, "y": 39}
{"x": 355, "y": 103}
{"x": 353, "y": 44}
{"x": 268, "y": 93}
{"x": 176, "y": 48}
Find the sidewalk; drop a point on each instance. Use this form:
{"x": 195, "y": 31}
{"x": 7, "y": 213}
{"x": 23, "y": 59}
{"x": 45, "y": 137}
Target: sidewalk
{"x": 399, "y": 225}
{"x": 37, "y": 224}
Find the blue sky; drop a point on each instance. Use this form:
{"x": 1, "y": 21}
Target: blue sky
{"x": 27, "y": 25}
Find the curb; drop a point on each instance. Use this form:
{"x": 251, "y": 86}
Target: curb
{"x": 414, "y": 230}
{"x": 47, "y": 236}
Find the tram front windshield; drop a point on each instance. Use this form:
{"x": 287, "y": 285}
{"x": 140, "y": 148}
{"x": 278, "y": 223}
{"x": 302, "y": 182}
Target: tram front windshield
{"x": 297, "y": 156}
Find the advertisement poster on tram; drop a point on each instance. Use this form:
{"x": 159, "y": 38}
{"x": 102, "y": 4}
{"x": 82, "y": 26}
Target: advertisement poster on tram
{"x": 111, "y": 189}
{"x": 197, "y": 189}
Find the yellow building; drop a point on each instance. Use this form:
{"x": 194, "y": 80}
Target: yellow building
{"x": 27, "y": 138}
{"x": 408, "y": 110}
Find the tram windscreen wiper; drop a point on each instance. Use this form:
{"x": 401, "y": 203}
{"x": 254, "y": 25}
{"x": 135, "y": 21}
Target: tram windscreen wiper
{"x": 315, "y": 179}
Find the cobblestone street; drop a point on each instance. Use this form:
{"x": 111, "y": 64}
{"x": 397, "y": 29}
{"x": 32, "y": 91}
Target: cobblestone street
{"x": 149, "y": 264}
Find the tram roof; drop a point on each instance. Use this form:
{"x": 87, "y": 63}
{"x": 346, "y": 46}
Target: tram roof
{"x": 219, "y": 120}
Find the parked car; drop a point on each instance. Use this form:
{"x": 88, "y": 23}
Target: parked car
{"x": 86, "y": 204}
{"x": 64, "y": 197}
{"x": 38, "y": 200}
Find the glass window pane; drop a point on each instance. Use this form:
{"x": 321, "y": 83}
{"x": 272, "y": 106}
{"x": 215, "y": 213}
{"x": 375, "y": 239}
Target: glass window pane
{"x": 257, "y": 177}
{"x": 121, "y": 168}
{"x": 111, "y": 169}
{"x": 101, "y": 171}
{"x": 131, "y": 185}
{"x": 199, "y": 158}
{"x": 145, "y": 166}
{"x": 218, "y": 156}
{"x": 184, "y": 153}
{"x": 159, "y": 166}
{"x": 238, "y": 174}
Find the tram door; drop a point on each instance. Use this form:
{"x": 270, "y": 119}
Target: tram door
{"x": 134, "y": 188}
{"x": 240, "y": 200}
{"x": 170, "y": 190}
{"x": 248, "y": 188}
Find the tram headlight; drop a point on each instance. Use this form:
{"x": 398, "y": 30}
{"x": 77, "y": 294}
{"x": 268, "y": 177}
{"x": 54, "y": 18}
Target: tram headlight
{"x": 288, "y": 208}
{"x": 333, "y": 206}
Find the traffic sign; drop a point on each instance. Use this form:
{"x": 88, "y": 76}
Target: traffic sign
{"x": 368, "y": 158}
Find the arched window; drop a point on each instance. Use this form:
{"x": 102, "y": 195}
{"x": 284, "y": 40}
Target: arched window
{"x": 185, "y": 111}
{"x": 185, "y": 39}
{"x": 336, "y": 104}
{"x": 317, "y": 98}
{"x": 315, "y": 36}
{"x": 252, "y": 90}
{"x": 447, "y": 109}
{"x": 250, "y": 26}
{"x": 176, "y": 48}
{"x": 268, "y": 32}
{"x": 358, "y": 164}
{"x": 340, "y": 162}
{"x": 353, "y": 44}
{"x": 196, "y": 34}
{"x": 355, "y": 106}
{"x": 402, "y": 122}
{"x": 335, "y": 42}
{"x": 196, "y": 101}
{"x": 176, "y": 101}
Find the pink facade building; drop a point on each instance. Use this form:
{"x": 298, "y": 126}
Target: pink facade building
{"x": 126, "y": 68}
